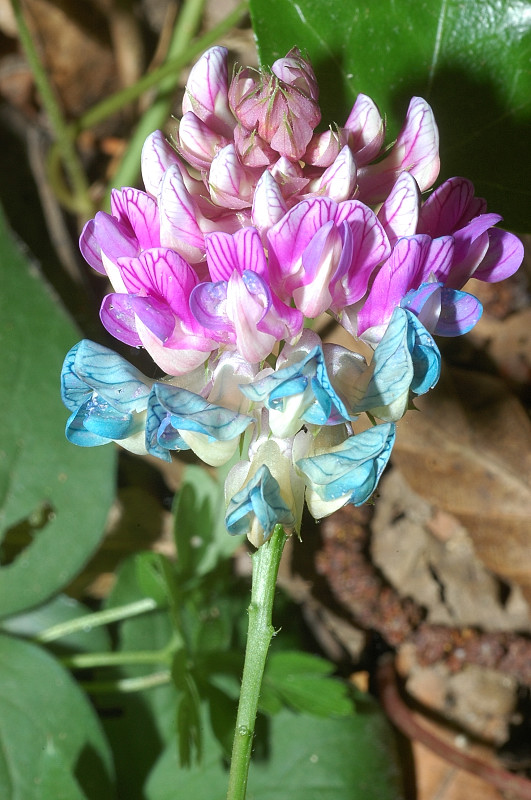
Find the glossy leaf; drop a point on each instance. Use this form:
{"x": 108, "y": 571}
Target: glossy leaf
{"x": 42, "y": 711}
{"x": 469, "y": 60}
{"x": 54, "y": 497}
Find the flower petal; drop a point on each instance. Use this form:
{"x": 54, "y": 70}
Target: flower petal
{"x": 348, "y": 472}
{"x": 259, "y": 501}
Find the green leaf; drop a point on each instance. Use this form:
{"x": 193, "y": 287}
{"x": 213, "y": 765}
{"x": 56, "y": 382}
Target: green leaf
{"x": 302, "y": 682}
{"x": 470, "y": 60}
{"x": 54, "y": 497}
{"x": 43, "y": 710}
{"x": 201, "y": 537}
{"x": 348, "y": 758}
{"x": 55, "y": 778}
{"x": 138, "y": 725}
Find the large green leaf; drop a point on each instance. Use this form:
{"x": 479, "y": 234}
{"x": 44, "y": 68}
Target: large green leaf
{"x": 471, "y": 59}
{"x": 53, "y": 496}
{"x": 46, "y": 727}
{"x": 311, "y": 758}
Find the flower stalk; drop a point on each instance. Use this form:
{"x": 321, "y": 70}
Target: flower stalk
{"x": 266, "y": 561}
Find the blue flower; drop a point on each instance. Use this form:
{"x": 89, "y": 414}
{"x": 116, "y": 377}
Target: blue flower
{"x": 259, "y": 501}
{"x": 444, "y": 311}
{"x": 405, "y": 360}
{"x": 179, "y": 420}
{"x": 106, "y": 395}
{"x": 348, "y": 472}
{"x": 297, "y": 393}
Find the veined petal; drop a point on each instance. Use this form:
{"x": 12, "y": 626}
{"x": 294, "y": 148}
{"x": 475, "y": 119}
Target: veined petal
{"x": 179, "y": 216}
{"x": 383, "y": 389}
{"x": 90, "y": 247}
{"x": 338, "y": 181}
{"x": 348, "y": 472}
{"x": 400, "y": 210}
{"x": 198, "y": 143}
{"x": 366, "y": 130}
{"x": 503, "y": 258}
{"x": 90, "y": 367}
{"x": 248, "y": 301}
{"x": 161, "y": 436}
{"x": 191, "y": 412}
{"x": 157, "y": 155}
{"x": 206, "y": 91}
{"x": 139, "y": 210}
{"x": 425, "y": 356}
{"x": 238, "y": 252}
{"x": 258, "y": 505}
{"x": 450, "y": 207}
{"x": 231, "y": 184}
{"x": 269, "y": 205}
{"x": 460, "y": 311}
{"x": 416, "y": 151}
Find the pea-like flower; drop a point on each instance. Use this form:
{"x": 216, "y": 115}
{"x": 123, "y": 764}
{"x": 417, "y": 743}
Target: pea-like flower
{"x": 251, "y": 224}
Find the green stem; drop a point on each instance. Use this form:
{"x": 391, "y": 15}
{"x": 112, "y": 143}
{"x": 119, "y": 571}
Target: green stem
{"x": 127, "y": 684}
{"x": 65, "y": 142}
{"x": 172, "y": 66}
{"x": 266, "y": 561}
{"x": 95, "y": 620}
{"x": 122, "y": 659}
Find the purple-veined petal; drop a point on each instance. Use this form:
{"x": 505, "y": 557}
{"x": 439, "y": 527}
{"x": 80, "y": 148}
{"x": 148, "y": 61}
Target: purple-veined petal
{"x": 231, "y": 184}
{"x": 269, "y": 205}
{"x": 197, "y": 142}
{"x": 369, "y": 247}
{"x": 295, "y": 70}
{"x": 503, "y": 258}
{"x": 416, "y": 151}
{"x": 425, "y": 303}
{"x": 366, "y": 130}
{"x": 252, "y": 149}
{"x": 206, "y": 91}
{"x": 157, "y": 155}
{"x": 240, "y": 251}
{"x": 319, "y": 263}
{"x": 161, "y": 273}
{"x": 403, "y": 270}
{"x": 248, "y": 301}
{"x": 140, "y": 211}
{"x": 114, "y": 237}
{"x": 400, "y": 210}
{"x": 450, "y": 207}
{"x": 179, "y": 224}
{"x": 471, "y": 245}
{"x": 324, "y": 148}
{"x": 339, "y": 180}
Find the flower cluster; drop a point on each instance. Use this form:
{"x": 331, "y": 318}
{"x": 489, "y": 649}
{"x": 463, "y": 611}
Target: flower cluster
{"x": 253, "y": 223}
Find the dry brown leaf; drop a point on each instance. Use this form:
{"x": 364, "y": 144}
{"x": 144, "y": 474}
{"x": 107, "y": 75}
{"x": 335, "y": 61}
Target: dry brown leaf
{"x": 469, "y": 453}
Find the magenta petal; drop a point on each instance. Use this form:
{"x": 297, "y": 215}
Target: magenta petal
{"x": 240, "y": 251}
{"x": 90, "y": 247}
{"x": 114, "y": 237}
{"x": 141, "y": 212}
{"x": 402, "y": 271}
{"x": 366, "y": 130}
{"x": 503, "y": 258}
{"x": 118, "y": 318}
{"x": 161, "y": 273}
{"x": 439, "y": 259}
{"x": 471, "y": 245}
{"x": 155, "y": 314}
{"x": 179, "y": 226}
{"x": 206, "y": 91}
{"x": 451, "y": 206}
